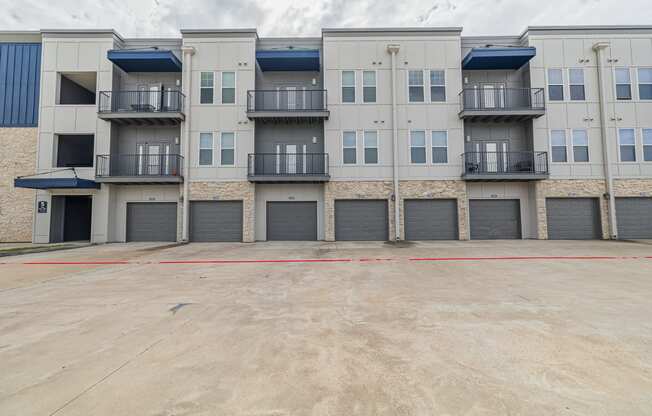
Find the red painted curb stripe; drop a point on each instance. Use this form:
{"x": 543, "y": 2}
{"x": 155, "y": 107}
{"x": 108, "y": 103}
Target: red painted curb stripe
{"x": 63, "y": 263}
{"x": 255, "y": 261}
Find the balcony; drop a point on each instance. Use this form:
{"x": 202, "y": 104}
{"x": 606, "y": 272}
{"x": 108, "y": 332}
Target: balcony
{"x": 285, "y": 105}
{"x": 288, "y": 167}
{"x": 138, "y": 169}
{"x": 505, "y": 166}
{"x": 142, "y": 108}
{"x": 492, "y": 103}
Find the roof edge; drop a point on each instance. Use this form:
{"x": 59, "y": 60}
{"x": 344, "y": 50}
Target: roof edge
{"x": 393, "y": 30}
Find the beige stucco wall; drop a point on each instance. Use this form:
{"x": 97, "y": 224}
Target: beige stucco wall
{"x": 17, "y": 157}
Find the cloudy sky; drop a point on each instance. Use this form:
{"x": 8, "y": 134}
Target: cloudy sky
{"x": 291, "y": 18}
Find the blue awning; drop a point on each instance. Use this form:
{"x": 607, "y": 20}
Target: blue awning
{"x": 149, "y": 60}
{"x": 498, "y": 58}
{"x": 288, "y": 60}
{"x": 55, "y": 183}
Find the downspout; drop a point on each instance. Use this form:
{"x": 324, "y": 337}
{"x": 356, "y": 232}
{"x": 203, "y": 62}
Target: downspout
{"x": 393, "y": 50}
{"x": 613, "y": 226}
{"x": 188, "y": 52}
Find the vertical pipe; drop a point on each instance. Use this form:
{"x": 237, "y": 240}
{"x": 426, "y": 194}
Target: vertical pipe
{"x": 393, "y": 50}
{"x": 188, "y": 52}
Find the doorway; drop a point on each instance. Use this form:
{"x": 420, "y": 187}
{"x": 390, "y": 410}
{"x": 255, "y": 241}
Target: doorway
{"x": 70, "y": 219}
{"x": 491, "y": 156}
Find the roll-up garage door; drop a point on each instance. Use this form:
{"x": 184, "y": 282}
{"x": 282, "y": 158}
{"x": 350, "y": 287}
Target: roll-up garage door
{"x": 573, "y": 218}
{"x": 151, "y": 221}
{"x": 430, "y": 219}
{"x": 634, "y": 217}
{"x": 493, "y": 219}
{"x": 361, "y": 220}
{"x": 216, "y": 220}
{"x": 292, "y": 220}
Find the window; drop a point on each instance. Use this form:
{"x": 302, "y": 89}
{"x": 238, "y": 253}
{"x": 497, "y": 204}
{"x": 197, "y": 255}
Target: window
{"x": 418, "y": 146}
{"x": 205, "y": 149}
{"x": 415, "y": 86}
{"x": 623, "y": 84}
{"x": 77, "y": 88}
{"x": 206, "y": 89}
{"x": 439, "y": 147}
{"x": 580, "y": 146}
{"x": 645, "y": 83}
{"x": 74, "y": 151}
{"x": 228, "y": 87}
{"x": 227, "y": 149}
{"x": 349, "y": 148}
{"x": 555, "y": 85}
{"x": 576, "y": 84}
{"x": 647, "y": 145}
{"x": 558, "y": 146}
{"x": 437, "y": 86}
{"x": 348, "y": 86}
{"x": 627, "y": 145}
{"x": 369, "y": 86}
{"x": 371, "y": 147}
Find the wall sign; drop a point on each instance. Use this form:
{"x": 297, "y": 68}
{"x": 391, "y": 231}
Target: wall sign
{"x": 42, "y": 207}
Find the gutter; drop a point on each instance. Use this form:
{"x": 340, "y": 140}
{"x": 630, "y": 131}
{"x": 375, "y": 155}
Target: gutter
{"x": 393, "y": 50}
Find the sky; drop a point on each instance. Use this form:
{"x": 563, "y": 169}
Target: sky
{"x": 142, "y": 18}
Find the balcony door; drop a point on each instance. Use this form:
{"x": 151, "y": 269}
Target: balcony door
{"x": 493, "y": 95}
{"x": 290, "y": 159}
{"x": 491, "y": 156}
{"x": 153, "y": 159}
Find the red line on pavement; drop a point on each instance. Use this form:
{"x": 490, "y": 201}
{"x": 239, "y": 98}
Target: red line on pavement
{"x": 65, "y": 263}
{"x": 255, "y": 261}
{"x": 525, "y": 258}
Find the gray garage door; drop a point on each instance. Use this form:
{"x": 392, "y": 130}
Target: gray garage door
{"x": 361, "y": 220}
{"x": 292, "y": 221}
{"x": 573, "y": 218}
{"x": 634, "y": 217}
{"x": 152, "y": 221}
{"x": 430, "y": 219}
{"x": 216, "y": 220}
{"x": 493, "y": 219}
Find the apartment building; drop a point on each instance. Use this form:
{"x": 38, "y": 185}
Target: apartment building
{"x": 360, "y": 134}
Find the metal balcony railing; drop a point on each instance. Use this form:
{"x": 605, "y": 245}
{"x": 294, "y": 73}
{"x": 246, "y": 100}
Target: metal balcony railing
{"x": 505, "y": 163}
{"x": 139, "y": 165}
{"x": 502, "y": 99}
{"x": 287, "y": 164}
{"x": 155, "y": 101}
{"x": 286, "y": 100}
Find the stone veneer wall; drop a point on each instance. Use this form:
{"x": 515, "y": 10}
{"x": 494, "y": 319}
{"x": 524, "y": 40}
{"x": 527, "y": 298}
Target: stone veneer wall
{"x": 17, "y": 157}
{"x": 225, "y": 191}
{"x": 633, "y": 187}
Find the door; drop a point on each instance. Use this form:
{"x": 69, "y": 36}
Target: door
{"x": 286, "y": 159}
{"x": 153, "y": 159}
{"x": 215, "y": 221}
{"x": 634, "y": 218}
{"x": 361, "y": 220}
{"x": 493, "y": 95}
{"x": 154, "y": 97}
{"x": 430, "y": 219}
{"x": 493, "y": 219}
{"x": 292, "y": 97}
{"x": 151, "y": 221}
{"x": 491, "y": 155}
{"x": 292, "y": 221}
{"x": 573, "y": 218}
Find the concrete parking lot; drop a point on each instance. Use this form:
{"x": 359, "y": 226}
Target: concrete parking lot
{"x": 450, "y": 328}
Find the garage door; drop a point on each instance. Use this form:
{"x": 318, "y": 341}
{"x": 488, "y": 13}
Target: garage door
{"x": 216, "y": 220}
{"x": 361, "y": 220}
{"x": 573, "y": 218}
{"x": 430, "y": 219}
{"x": 493, "y": 219}
{"x": 152, "y": 221}
{"x": 292, "y": 221}
{"x": 634, "y": 217}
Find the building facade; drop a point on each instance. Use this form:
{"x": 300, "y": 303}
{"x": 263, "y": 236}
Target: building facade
{"x": 360, "y": 134}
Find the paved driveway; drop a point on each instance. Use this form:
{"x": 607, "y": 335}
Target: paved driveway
{"x": 455, "y": 328}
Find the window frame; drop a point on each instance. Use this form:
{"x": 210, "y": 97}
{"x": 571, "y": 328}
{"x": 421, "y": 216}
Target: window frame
{"x": 643, "y": 145}
{"x": 639, "y": 83}
{"x": 423, "y": 86}
{"x": 566, "y": 146}
{"x": 200, "y": 148}
{"x": 571, "y": 84}
{"x": 365, "y": 147}
{"x": 616, "y": 84}
{"x": 588, "y": 146}
{"x": 375, "y": 86}
{"x": 549, "y": 84}
{"x": 354, "y": 147}
{"x": 430, "y": 86}
{"x": 354, "y": 86}
{"x": 221, "y": 148}
{"x": 212, "y": 87}
{"x": 234, "y": 88}
{"x": 425, "y": 147}
{"x": 433, "y": 147}
{"x": 620, "y": 145}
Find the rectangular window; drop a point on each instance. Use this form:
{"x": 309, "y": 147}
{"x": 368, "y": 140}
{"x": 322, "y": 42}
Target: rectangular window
{"x": 349, "y": 148}
{"x": 205, "y": 149}
{"x": 227, "y": 149}
{"x": 576, "y": 84}
{"x": 623, "y": 84}
{"x": 369, "y": 86}
{"x": 415, "y": 86}
{"x": 439, "y": 147}
{"x": 555, "y": 85}
{"x": 371, "y": 147}
{"x": 417, "y": 146}
{"x": 580, "y": 146}
{"x": 645, "y": 83}
{"x": 647, "y": 145}
{"x": 206, "y": 88}
{"x": 627, "y": 145}
{"x": 558, "y": 146}
{"x": 348, "y": 86}
{"x": 228, "y": 87}
{"x": 437, "y": 86}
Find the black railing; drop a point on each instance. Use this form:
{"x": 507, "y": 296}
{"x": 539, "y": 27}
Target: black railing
{"x": 286, "y": 100}
{"x": 156, "y": 101}
{"x": 139, "y": 165}
{"x": 505, "y": 163}
{"x": 287, "y": 164}
{"x": 502, "y": 99}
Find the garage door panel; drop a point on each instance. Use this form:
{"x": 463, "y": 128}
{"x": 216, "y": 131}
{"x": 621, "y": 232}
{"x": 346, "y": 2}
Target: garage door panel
{"x": 634, "y": 218}
{"x": 430, "y": 219}
{"x": 151, "y": 221}
{"x": 292, "y": 221}
{"x": 214, "y": 221}
{"x": 361, "y": 220}
{"x": 493, "y": 219}
{"x": 573, "y": 218}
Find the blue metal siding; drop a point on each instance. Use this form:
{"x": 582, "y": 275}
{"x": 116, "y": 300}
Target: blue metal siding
{"x": 20, "y": 76}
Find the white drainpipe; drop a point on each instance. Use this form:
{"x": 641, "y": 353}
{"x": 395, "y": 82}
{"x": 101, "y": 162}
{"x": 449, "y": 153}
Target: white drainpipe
{"x": 188, "y": 52}
{"x": 393, "y": 50}
{"x": 598, "y": 48}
